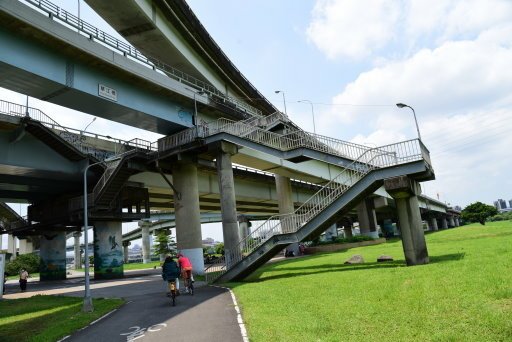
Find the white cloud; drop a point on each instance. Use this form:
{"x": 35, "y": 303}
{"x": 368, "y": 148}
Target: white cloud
{"x": 352, "y": 28}
{"x": 358, "y": 29}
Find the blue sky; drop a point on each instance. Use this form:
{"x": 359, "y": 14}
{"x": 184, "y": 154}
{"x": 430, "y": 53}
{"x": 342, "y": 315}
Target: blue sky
{"x": 450, "y": 59}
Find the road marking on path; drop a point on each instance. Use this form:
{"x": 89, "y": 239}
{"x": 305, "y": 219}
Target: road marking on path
{"x": 241, "y": 324}
{"x": 105, "y": 315}
{"x": 139, "y": 332}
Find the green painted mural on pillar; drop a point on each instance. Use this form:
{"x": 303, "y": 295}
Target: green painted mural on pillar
{"x": 108, "y": 251}
{"x": 53, "y": 256}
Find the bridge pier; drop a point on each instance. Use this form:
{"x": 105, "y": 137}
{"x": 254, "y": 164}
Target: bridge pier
{"x": 433, "y": 224}
{"x": 451, "y": 222}
{"x": 367, "y": 218}
{"x": 11, "y": 246}
{"x": 285, "y": 204}
{"x": 457, "y": 223}
{"x": 186, "y": 208}
{"x": 26, "y": 246}
{"x": 53, "y": 256}
{"x": 331, "y": 233}
{"x": 244, "y": 226}
{"x": 76, "y": 249}
{"x": 108, "y": 251}
{"x": 146, "y": 246}
{"x": 405, "y": 190}
{"x": 444, "y": 223}
{"x": 125, "y": 250}
{"x": 230, "y": 229}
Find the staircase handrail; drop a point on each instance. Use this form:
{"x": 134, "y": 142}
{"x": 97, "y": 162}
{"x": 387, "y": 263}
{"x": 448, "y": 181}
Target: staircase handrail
{"x": 18, "y": 110}
{"x": 395, "y": 154}
{"x": 282, "y": 142}
{"x": 125, "y": 49}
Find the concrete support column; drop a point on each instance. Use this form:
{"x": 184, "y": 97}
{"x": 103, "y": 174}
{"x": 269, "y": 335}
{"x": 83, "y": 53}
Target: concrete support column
{"x": 433, "y": 224}
{"x": 53, "y": 256}
{"x": 444, "y": 223}
{"x": 186, "y": 208}
{"x": 451, "y": 221}
{"x": 108, "y": 250}
{"x": 244, "y": 225}
{"x": 78, "y": 255}
{"x": 11, "y": 246}
{"x": 457, "y": 223}
{"x": 22, "y": 249}
{"x": 331, "y": 233}
{"x": 285, "y": 204}
{"x": 125, "y": 250}
{"x": 146, "y": 248}
{"x": 230, "y": 229}
{"x": 367, "y": 218}
{"x": 405, "y": 192}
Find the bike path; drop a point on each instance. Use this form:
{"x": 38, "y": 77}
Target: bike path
{"x": 208, "y": 315}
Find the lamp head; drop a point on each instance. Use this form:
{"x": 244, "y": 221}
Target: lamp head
{"x": 277, "y": 91}
{"x": 401, "y": 105}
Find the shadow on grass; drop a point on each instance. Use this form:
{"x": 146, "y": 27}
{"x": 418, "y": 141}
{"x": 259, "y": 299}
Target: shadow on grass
{"x": 318, "y": 269}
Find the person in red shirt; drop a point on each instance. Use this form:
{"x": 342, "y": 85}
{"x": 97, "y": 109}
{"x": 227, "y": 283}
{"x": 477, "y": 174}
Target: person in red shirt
{"x": 186, "y": 268}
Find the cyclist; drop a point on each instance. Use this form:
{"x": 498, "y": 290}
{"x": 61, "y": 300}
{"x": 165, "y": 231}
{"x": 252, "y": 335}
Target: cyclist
{"x": 186, "y": 270}
{"x": 171, "y": 272}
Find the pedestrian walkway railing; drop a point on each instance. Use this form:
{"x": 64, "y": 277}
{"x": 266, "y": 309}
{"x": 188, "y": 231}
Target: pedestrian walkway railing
{"x": 283, "y": 142}
{"x": 71, "y": 21}
{"x": 81, "y": 140}
{"x": 375, "y": 158}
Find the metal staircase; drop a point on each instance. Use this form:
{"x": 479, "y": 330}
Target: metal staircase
{"x": 250, "y": 130}
{"x": 344, "y": 191}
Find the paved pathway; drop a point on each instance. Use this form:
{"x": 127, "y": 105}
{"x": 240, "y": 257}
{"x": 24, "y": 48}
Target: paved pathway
{"x": 209, "y": 315}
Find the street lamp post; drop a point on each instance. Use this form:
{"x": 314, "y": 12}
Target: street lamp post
{"x": 312, "y": 113}
{"x": 94, "y": 119}
{"x": 88, "y": 307}
{"x": 402, "y": 105}
{"x": 284, "y": 100}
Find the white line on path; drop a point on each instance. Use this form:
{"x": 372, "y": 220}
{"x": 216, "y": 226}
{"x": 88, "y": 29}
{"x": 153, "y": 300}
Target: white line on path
{"x": 238, "y": 314}
{"x": 105, "y": 315}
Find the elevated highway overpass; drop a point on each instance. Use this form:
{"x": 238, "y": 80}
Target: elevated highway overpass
{"x": 314, "y": 182}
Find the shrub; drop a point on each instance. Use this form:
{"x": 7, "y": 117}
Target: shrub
{"x": 30, "y": 262}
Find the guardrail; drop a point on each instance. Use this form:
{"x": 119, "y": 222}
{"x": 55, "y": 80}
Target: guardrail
{"x": 70, "y": 20}
{"x": 375, "y": 158}
{"x": 74, "y": 136}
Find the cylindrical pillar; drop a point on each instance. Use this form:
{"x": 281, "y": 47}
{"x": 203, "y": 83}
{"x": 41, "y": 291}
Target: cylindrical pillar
{"x": 433, "y": 224}
{"x": 78, "y": 255}
{"x": 331, "y": 233}
{"x": 108, "y": 250}
{"x": 411, "y": 228}
{"x": 11, "y": 246}
{"x": 146, "y": 246}
{"x": 451, "y": 221}
{"x": 244, "y": 225}
{"x": 228, "y": 202}
{"x": 186, "y": 208}
{"x": 53, "y": 256}
{"x": 444, "y": 223}
{"x": 457, "y": 223}
{"x": 125, "y": 250}
{"x": 22, "y": 249}
{"x": 367, "y": 218}
{"x": 286, "y": 206}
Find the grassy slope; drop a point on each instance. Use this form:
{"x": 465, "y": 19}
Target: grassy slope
{"x": 465, "y": 293}
{"x": 47, "y": 318}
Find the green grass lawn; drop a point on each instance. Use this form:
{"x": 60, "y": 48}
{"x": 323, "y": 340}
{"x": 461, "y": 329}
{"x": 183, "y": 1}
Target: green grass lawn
{"x": 464, "y": 294}
{"x": 47, "y": 318}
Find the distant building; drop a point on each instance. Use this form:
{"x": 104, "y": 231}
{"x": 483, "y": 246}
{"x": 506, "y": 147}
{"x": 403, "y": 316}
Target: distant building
{"x": 510, "y": 203}
{"x": 457, "y": 207}
{"x": 500, "y": 204}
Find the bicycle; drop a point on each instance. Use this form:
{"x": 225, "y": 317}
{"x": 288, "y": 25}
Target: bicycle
{"x": 172, "y": 290}
{"x": 189, "y": 284}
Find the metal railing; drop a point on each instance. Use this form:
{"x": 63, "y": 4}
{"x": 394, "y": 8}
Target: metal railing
{"x": 375, "y": 158}
{"x": 75, "y": 137}
{"x": 70, "y": 20}
{"x": 252, "y": 132}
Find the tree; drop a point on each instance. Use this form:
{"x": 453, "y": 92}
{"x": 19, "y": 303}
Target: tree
{"x": 30, "y": 262}
{"x": 478, "y": 212}
{"x": 164, "y": 244}
{"x": 219, "y": 248}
